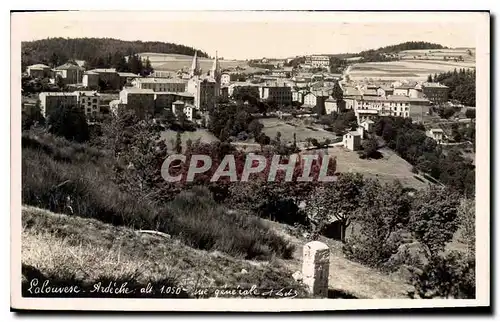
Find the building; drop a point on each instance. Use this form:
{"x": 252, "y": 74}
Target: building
{"x": 102, "y": 79}
{"x": 225, "y": 79}
{"x": 164, "y": 74}
{"x": 351, "y": 95}
{"x": 298, "y": 95}
{"x": 352, "y": 140}
{"x": 141, "y": 101}
{"x": 205, "y": 89}
{"x": 71, "y": 74}
{"x": 277, "y": 93}
{"x": 164, "y": 100}
{"x": 331, "y": 106}
{"x": 367, "y": 125}
{"x": 435, "y": 92}
{"x": 160, "y": 84}
{"x": 315, "y": 98}
{"x": 242, "y": 89}
{"x": 436, "y": 134}
{"x": 126, "y": 78}
{"x": 39, "y": 71}
{"x": 180, "y": 106}
{"x": 321, "y": 61}
{"x": 385, "y": 91}
{"x": 49, "y": 101}
{"x": 402, "y": 90}
{"x": 393, "y": 105}
{"x": 89, "y": 102}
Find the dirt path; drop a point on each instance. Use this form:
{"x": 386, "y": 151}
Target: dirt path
{"x": 347, "y": 278}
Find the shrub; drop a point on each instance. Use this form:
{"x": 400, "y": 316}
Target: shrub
{"x": 452, "y": 276}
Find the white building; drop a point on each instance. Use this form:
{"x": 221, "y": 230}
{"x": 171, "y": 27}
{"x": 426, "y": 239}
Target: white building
{"x": 225, "y": 79}
{"x": 352, "y": 140}
{"x": 187, "y": 109}
{"x": 321, "y": 61}
{"x": 89, "y": 102}
{"x": 49, "y": 101}
{"x": 436, "y": 134}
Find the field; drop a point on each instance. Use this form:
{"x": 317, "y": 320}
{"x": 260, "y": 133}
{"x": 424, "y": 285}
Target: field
{"x": 174, "y": 62}
{"x": 272, "y": 126}
{"x": 386, "y": 169}
{"x": 414, "y": 64}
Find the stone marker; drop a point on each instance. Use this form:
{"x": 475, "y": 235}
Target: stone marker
{"x": 315, "y": 268}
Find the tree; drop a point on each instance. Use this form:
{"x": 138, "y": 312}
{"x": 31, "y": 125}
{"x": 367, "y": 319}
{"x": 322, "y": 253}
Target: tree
{"x": 383, "y": 211}
{"x": 449, "y": 276}
{"x": 60, "y": 82}
{"x": 370, "y": 149}
{"x": 467, "y": 223}
{"x": 32, "y": 116}
{"x": 433, "y": 218}
{"x": 69, "y": 122}
{"x": 470, "y": 113}
{"x": 429, "y": 78}
{"x": 148, "y": 69}
{"x": 178, "y": 143}
{"x": 337, "y": 93}
{"x": 336, "y": 202}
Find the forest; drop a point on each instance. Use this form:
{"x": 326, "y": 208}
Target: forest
{"x": 462, "y": 84}
{"x": 57, "y": 51}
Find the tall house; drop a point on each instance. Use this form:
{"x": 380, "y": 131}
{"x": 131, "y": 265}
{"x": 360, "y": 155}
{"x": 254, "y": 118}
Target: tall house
{"x": 322, "y": 61}
{"x": 39, "y": 71}
{"x": 277, "y": 93}
{"x": 435, "y": 92}
{"x": 89, "y": 102}
{"x": 49, "y": 101}
{"x": 71, "y": 74}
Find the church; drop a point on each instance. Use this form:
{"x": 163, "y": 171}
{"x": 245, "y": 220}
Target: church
{"x": 204, "y": 88}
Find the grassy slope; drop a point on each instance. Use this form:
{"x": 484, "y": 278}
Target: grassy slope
{"x": 66, "y": 247}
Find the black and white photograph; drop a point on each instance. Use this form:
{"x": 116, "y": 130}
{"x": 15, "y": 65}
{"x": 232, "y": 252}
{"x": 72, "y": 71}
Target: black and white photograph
{"x": 206, "y": 161}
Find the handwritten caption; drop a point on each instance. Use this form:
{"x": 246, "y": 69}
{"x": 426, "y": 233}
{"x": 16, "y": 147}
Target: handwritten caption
{"x": 41, "y": 288}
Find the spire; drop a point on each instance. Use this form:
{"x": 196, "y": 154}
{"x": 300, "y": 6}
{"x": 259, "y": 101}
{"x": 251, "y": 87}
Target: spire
{"x": 215, "y": 72}
{"x": 195, "y": 66}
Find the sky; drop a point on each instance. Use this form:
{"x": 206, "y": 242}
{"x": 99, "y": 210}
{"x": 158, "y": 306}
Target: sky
{"x": 245, "y": 35}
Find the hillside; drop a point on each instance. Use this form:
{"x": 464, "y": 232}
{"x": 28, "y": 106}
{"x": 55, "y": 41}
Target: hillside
{"x": 74, "y": 249}
{"x": 56, "y": 51}
{"x": 175, "y": 62}
{"x": 88, "y": 251}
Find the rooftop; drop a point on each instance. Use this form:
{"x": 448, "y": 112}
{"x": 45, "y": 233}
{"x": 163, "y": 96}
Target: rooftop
{"x": 136, "y": 90}
{"x": 435, "y": 85}
{"x": 359, "y": 111}
{"x": 58, "y": 94}
{"x": 437, "y": 130}
{"x": 38, "y": 66}
{"x": 127, "y": 74}
{"x": 68, "y": 66}
{"x": 354, "y": 133}
{"x": 103, "y": 70}
{"x": 151, "y": 80}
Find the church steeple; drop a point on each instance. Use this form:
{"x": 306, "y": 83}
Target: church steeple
{"x": 195, "y": 66}
{"x": 215, "y": 72}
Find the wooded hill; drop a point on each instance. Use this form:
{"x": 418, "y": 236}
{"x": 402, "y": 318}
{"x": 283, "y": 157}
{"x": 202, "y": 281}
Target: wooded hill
{"x": 57, "y": 51}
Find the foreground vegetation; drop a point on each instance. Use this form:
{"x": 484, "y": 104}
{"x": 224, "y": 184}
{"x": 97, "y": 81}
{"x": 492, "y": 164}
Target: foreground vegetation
{"x": 75, "y": 250}
{"x": 76, "y": 179}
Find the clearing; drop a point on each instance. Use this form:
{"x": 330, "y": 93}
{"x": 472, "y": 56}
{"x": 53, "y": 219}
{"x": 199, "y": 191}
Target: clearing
{"x": 202, "y": 134}
{"x": 387, "y": 169}
{"x": 273, "y": 125}
{"x": 175, "y": 62}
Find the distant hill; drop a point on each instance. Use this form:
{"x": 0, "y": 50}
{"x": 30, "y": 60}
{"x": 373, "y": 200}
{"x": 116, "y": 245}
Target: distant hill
{"x": 57, "y": 51}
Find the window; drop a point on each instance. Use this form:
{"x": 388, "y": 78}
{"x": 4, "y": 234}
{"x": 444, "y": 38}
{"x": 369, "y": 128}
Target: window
{"x": 94, "y": 100}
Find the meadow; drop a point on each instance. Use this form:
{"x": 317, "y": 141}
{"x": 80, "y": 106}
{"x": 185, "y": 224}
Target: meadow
{"x": 174, "y": 62}
{"x": 273, "y": 125}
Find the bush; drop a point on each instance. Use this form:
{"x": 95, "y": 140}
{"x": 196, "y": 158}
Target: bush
{"x": 451, "y": 276}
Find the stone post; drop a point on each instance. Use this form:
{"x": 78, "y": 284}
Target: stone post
{"x": 316, "y": 267}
